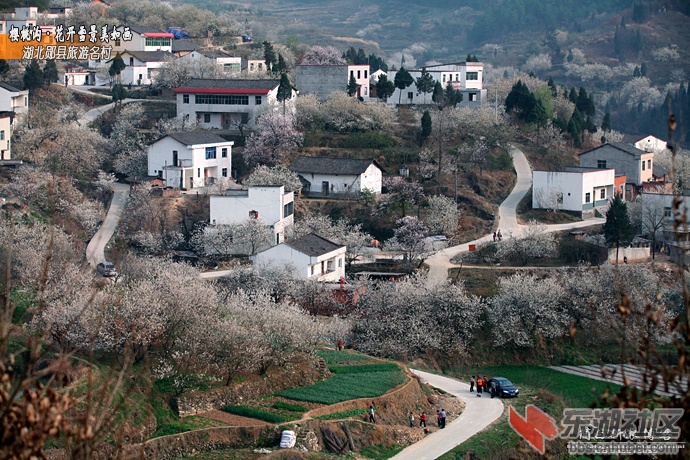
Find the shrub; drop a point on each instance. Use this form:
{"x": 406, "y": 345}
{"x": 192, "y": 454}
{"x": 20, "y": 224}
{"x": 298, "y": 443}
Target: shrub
{"x": 246, "y": 411}
{"x": 368, "y": 140}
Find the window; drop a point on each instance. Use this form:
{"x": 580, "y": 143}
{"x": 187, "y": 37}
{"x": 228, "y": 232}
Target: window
{"x": 185, "y": 98}
{"x": 352, "y": 73}
{"x": 221, "y": 99}
{"x": 207, "y": 118}
{"x": 602, "y": 194}
{"x": 410, "y": 95}
{"x": 157, "y": 42}
{"x": 198, "y": 173}
{"x": 667, "y": 212}
{"x": 257, "y": 100}
{"x": 288, "y": 209}
{"x": 365, "y": 90}
{"x": 312, "y": 270}
{"x": 472, "y": 76}
{"x": 210, "y": 153}
{"x": 643, "y": 165}
{"x": 359, "y": 74}
{"x": 117, "y": 42}
{"x": 224, "y": 172}
{"x": 457, "y": 77}
{"x": 2, "y": 135}
{"x": 231, "y": 67}
{"x": 174, "y": 162}
{"x": 224, "y": 152}
{"x": 587, "y": 197}
{"x": 649, "y": 164}
{"x": 366, "y": 73}
{"x": 444, "y": 78}
{"x": 261, "y": 66}
{"x": 601, "y": 164}
{"x": 472, "y": 97}
{"x": 148, "y": 73}
{"x": 251, "y": 67}
{"x": 340, "y": 263}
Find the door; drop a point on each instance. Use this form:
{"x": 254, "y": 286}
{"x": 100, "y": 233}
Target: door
{"x": 324, "y": 187}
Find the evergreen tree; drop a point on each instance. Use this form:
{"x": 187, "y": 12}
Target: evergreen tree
{"x": 426, "y": 126}
{"x": 352, "y": 86}
{"x": 33, "y": 76}
{"x": 284, "y": 90}
{"x": 282, "y": 65}
{"x": 361, "y": 57}
{"x": 643, "y": 69}
{"x": 617, "y": 229}
{"x": 384, "y": 88}
{"x": 606, "y": 122}
{"x": 572, "y": 97}
{"x": 402, "y": 80}
{"x": 119, "y": 94}
{"x": 552, "y": 85}
{"x": 590, "y": 126}
{"x": 438, "y": 95}
{"x": 425, "y": 83}
{"x": 538, "y": 115}
{"x": 636, "y": 72}
{"x": 4, "y": 68}
{"x": 471, "y": 58}
{"x": 640, "y": 12}
{"x": 637, "y": 42}
{"x": 50, "y": 72}
{"x": 269, "y": 56}
{"x": 116, "y": 67}
{"x": 452, "y": 96}
{"x": 521, "y": 100}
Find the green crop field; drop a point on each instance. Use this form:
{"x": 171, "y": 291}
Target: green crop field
{"x": 250, "y": 412}
{"x": 343, "y": 414}
{"x": 335, "y": 357}
{"x": 343, "y": 387}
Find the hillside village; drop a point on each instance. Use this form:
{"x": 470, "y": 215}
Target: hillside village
{"x": 212, "y": 240}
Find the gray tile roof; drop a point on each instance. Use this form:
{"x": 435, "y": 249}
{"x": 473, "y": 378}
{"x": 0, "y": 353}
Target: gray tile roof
{"x": 9, "y": 88}
{"x": 151, "y": 56}
{"x": 627, "y": 148}
{"x": 232, "y": 84}
{"x": 145, "y": 29}
{"x": 183, "y": 45}
{"x": 313, "y": 245}
{"x": 197, "y": 137}
{"x": 216, "y": 54}
{"x": 337, "y": 166}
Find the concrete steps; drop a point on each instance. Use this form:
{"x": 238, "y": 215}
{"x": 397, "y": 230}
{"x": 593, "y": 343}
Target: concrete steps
{"x": 613, "y": 373}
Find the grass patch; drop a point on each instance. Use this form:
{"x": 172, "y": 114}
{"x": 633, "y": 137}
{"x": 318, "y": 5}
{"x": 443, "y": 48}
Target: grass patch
{"x": 185, "y": 424}
{"x": 343, "y": 414}
{"x": 344, "y": 387}
{"x": 380, "y": 452}
{"x": 246, "y": 411}
{"x": 335, "y": 357}
{"x": 282, "y": 405}
{"x": 364, "y": 368}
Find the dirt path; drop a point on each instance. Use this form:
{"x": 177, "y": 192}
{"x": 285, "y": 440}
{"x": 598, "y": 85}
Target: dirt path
{"x": 230, "y": 419}
{"x": 478, "y": 414}
{"x": 440, "y": 262}
{"x": 95, "y": 250}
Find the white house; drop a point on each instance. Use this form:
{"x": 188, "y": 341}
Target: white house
{"x": 225, "y": 103}
{"x": 14, "y": 100}
{"x": 254, "y": 66}
{"x": 314, "y": 258}
{"x": 574, "y": 189}
{"x": 636, "y": 164}
{"x": 466, "y": 77}
{"x": 141, "y": 67}
{"x": 271, "y": 204}
{"x": 143, "y": 39}
{"x": 224, "y": 61}
{"x": 189, "y": 160}
{"x": 5, "y": 135}
{"x": 322, "y": 80}
{"x": 75, "y": 76}
{"x": 650, "y": 144}
{"x": 337, "y": 176}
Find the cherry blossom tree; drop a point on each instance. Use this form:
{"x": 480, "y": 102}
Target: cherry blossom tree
{"x": 442, "y": 216}
{"x": 538, "y": 63}
{"x": 533, "y": 243}
{"x": 274, "y": 175}
{"x": 127, "y": 144}
{"x": 409, "y": 239}
{"x": 323, "y": 55}
{"x": 275, "y": 138}
{"x": 178, "y": 72}
{"x": 401, "y": 195}
{"x": 346, "y": 114}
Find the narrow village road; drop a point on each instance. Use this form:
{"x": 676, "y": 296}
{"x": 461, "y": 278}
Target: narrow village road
{"x": 478, "y": 414}
{"x": 440, "y": 262}
{"x": 95, "y": 250}
{"x": 94, "y": 113}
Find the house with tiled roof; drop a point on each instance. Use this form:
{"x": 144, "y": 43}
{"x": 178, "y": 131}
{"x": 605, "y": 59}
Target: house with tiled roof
{"x": 141, "y": 67}
{"x": 226, "y": 103}
{"x": 636, "y": 164}
{"x": 225, "y": 62}
{"x": 143, "y": 38}
{"x": 190, "y": 160}
{"x": 14, "y": 100}
{"x": 337, "y": 176}
{"x": 311, "y": 256}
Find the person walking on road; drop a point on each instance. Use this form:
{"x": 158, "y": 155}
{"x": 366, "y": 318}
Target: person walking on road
{"x": 438, "y": 418}
{"x": 480, "y": 385}
{"x": 411, "y": 420}
{"x": 499, "y": 236}
{"x": 472, "y": 384}
{"x": 372, "y": 419}
{"x": 443, "y": 418}
{"x": 422, "y": 420}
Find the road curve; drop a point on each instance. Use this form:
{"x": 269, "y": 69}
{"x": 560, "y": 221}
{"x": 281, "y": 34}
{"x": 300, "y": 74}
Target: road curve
{"x": 95, "y": 250}
{"x": 440, "y": 262}
{"x": 478, "y": 414}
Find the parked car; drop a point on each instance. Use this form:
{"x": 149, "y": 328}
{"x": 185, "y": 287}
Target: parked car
{"x": 504, "y": 387}
{"x": 106, "y": 269}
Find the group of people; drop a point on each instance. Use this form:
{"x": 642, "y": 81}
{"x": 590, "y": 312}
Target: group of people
{"x": 498, "y": 236}
{"x": 483, "y": 384}
{"x": 440, "y": 419}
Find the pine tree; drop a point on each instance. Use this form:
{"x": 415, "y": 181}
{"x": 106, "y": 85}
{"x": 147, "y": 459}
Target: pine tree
{"x": 284, "y": 90}
{"x": 384, "y": 88}
{"x": 4, "y": 68}
{"x": 426, "y": 126}
{"x": 425, "y": 83}
{"x": 552, "y": 85}
{"x": 572, "y": 97}
{"x": 606, "y": 122}
{"x": 636, "y": 72}
{"x": 452, "y": 96}
{"x": 269, "y": 56}
{"x": 50, "y": 72}
{"x": 538, "y": 115}
{"x": 643, "y": 69}
{"x": 617, "y": 229}
{"x": 438, "y": 96}
{"x": 282, "y": 65}
{"x": 33, "y": 76}
{"x": 402, "y": 80}
{"x": 352, "y": 86}
{"x": 116, "y": 67}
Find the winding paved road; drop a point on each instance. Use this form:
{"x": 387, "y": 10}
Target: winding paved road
{"x": 95, "y": 250}
{"x": 478, "y": 414}
{"x": 440, "y": 262}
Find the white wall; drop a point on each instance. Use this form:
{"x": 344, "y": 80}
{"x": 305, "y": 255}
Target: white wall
{"x": 5, "y": 135}
{"x": 371, "y": 179}
{"x": 651, "y": 144}
{"x": 17, "y": 102}
{"x": 282, "y": 255}
{"x": 574, "y": 186}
